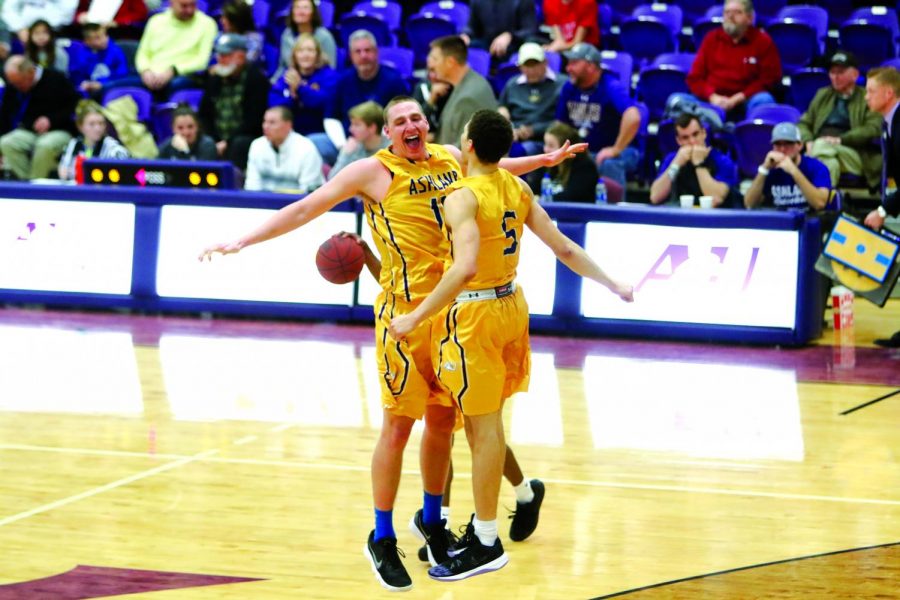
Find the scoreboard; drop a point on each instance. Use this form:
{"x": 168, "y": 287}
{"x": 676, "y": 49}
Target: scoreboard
{"x": 158, "y": 173}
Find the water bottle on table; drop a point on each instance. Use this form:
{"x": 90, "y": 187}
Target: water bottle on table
{"x": 600, "y": 191}
{"x": 546, "y": 188}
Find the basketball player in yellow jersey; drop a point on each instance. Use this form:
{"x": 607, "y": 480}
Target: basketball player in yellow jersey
{"x": 480, "y": 346}
{"x": 403, "y": 188}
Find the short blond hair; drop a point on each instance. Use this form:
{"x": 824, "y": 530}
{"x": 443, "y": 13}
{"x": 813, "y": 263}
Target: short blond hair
{"x": 886, "y": 76}
{"x": 369, "y": 113}
{"x": 86, "y": 107}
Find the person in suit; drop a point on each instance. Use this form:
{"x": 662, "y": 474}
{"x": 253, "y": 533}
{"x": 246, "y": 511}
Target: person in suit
{"x": 883, "y": 97}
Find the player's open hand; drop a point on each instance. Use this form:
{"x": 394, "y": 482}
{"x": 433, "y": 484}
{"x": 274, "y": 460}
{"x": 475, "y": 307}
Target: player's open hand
{"x": 566, "y": 151}
{"x": 226, "y": 248}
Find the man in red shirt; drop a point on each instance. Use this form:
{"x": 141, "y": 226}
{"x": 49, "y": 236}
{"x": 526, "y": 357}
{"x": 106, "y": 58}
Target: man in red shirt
{"x": 737, "y": 66}
{"x": 573, "y": 21}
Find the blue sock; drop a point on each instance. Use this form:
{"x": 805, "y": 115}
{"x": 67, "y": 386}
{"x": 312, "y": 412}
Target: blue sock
{"x": 384, "y": 524}
{"x": 431, "y": 509}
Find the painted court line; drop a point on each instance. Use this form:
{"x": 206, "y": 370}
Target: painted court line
{"x": 104, "y": 488}
{"x": 208, "y": 458}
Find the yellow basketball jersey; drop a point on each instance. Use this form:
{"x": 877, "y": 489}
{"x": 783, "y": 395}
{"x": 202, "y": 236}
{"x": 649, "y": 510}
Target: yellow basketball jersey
{"x": 503, "y": 207}
{"x": 408, "y": 224}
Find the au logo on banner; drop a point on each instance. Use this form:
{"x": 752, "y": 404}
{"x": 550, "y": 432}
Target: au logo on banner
{"x": 861, "y": 259}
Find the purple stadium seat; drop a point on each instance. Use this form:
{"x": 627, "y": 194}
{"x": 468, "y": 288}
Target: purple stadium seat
{"x": 480, "y": 61}
{"x": 458, "y": 12}
{"x": 776, "y": 113}
{"x": 646, "y": 37}
{"x": 400, "y": 58}
{"x": 326, "y": 10}
{"x": 623, "y": 9}
{"x": 261, "y": 11}
{"x": 766, "y": 10}
{"x": 161, "y": 120}
{"x": 695, "y": 10}
{"x": 703, "y": 27}
{"x": 619, "y": 64}
{"x": 753, "y": 140}
{"x": 872, "y": 44}
{"x": 807, "y": 14}
{"x": 655, "y": 84}
{"x": 670, "y": 14}
{"x": 141, "y": 97}
{"x": 678, "y": 60}
{"x": 878, "y": 15}
{"x": 389, "y": 11}
{"x": 374, "y": 24}
{"x": 187, "y": 96}
{"x": 804, "y": 85}
{"x": 797, "y": 43}
{"x": 422, "y": 28}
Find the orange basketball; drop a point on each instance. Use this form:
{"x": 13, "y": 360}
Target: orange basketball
{"x": 340, "y": 259}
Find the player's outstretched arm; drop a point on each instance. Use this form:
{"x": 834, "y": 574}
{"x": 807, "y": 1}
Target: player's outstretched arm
{"x": 459, "y": 213}
{"x": 352, "y": 180}
{"x": 569, "y": 253}
{"x": 527, "y": 164}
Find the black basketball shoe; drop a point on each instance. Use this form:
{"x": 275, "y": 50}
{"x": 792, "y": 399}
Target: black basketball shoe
{"x": 471, "y": 558}
{"x": 384, "y": 556}
{"x": 525, "y": 519}
{"x": 438, "y": 539}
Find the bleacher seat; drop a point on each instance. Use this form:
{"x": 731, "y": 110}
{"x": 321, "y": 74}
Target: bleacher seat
{"x": 619, "y": 64}
{"x": 804, "y": 85}
{"x": 872, "y": 44}
{"x": 141, "y": 97}
{"x": 670, "y": 14}
{"x": 878, "y": 15}
{"x": 374, "y": 24}
{"x": 480, "y": 61}
{"x": 623, "y": 9}
{"x": 326, "y": 11}
{"x": 766, "y": 10}
{"x": 776, "y": 113}
{"x": 129, "y": 47}
{"x": 458, "y": 12}
{"x": 401, "y": 59}
{"x": 797, "y": 42}
{"x": 646, "y": 37}
{"x": 422, "y": 28}
{"x": 389, "y": 11}
{"x": 808, "y": 14}
{"x": 712, "y": 20}
{"x": 261, "y": 11}
{"x": 753, "y": 140}
{"x": 695, "y": 10}
{"x": 678, "y": 60}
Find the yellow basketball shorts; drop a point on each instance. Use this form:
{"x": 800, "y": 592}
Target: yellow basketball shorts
{"x": 406, "y": 374}
{"x": 482, "y": 352}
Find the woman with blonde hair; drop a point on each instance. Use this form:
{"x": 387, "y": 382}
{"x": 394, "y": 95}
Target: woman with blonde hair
{"x": 308, "y": 89}
{"x": 304, "y": 17}
{"x": 93, "y": 141}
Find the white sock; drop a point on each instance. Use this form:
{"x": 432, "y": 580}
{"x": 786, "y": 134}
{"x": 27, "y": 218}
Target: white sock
{"x": 524, "y": 493}
{"x": 445, "y": 514}
{"x": 486, "y": 531}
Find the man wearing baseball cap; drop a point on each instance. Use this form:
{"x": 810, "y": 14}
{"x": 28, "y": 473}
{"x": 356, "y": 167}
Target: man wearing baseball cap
{"x": 599, "y": 107}
{"x": 529, "y": 100}
{"x": 787, "y": 179}
{"x": 839, "y": 129}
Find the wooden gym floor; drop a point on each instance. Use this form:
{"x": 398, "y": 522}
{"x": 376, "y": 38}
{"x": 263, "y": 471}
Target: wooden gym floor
{"x": 167, "y": 457}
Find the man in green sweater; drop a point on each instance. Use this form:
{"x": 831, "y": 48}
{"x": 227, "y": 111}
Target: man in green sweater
{"x": 839, "y": 129}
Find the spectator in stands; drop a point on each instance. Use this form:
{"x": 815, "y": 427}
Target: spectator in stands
{"x": 737, "y": 66}
{"x": 43, "y": 49}
{"x": 307, "y": 87}
{"x": 188, "y": 142}
{"x": 448, "y": 58}
{"x": 500, "y": 26}
{"x": 367, "y": 80}
{"x": 237, "y": 17}
{"x": 839, "y": 129}
{"x": 695, "y": 169}
{"x": 20, "y": 14}
{"x": 35, "y": 118}
{"x": 366, "y": 135}
{"x": 102, "y": 62}
{"x": 573, "y": 22}
{"x": 589, "y": 95}
{"x": 283, "y": 159}
{"x": 130, "y": 14}
{"x": 176, "y": 44}
{"x": 574, "y": 179}
{"x": 93, "y": 141}
{"x": 304, "y": 17}
{"x": 529, "y": 100}
{"x": 787, "y": 179}
{"x": 234, "y": 100}
{"x": 432, "y": 95}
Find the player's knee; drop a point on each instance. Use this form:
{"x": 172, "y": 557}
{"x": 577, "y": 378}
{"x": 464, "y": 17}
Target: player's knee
{"x": 441, "y": 419}
{"x": 396, "y": 431}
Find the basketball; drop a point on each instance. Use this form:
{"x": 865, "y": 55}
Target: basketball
{"x": 340, "y": 259}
